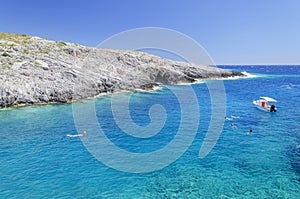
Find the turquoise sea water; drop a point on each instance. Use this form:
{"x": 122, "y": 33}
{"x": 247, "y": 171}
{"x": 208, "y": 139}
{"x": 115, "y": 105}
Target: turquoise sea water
{"x": 38, "y": 160}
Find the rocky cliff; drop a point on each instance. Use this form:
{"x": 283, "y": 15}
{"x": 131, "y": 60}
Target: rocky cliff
{"x": 36, "y": 70}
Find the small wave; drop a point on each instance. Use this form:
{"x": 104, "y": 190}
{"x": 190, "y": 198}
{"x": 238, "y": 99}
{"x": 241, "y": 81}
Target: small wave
{"x": 289, "y": 86}
{"x": 246, "y": 75}
{"x": 198, "y": 81}
{"x": 103, "y": 94}
{"x": 154, "y": 88}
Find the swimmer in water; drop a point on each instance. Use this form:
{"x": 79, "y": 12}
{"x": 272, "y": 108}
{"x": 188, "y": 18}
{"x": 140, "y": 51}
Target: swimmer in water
{"x": 232, "y": 125}
{"x": 227, "y": 118}
{"x": 77, "y": 135}
{"x": 250, "y": 131}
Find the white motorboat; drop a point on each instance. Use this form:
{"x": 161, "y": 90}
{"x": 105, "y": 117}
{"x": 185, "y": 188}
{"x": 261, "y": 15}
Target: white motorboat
{"x": 266, "y": 104}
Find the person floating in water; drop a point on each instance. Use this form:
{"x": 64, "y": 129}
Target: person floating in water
{"x": 250, "y": 131}
{"x": 231, "y": 117}
{"x": 227, "y": 118}
{"x": 77, "y": 135}
{"x": 232, "y": 125}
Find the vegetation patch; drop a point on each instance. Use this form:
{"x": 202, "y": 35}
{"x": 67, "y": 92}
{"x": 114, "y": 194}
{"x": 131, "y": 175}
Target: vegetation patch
{"x": 44, "y": 51}
{"x": 6, "y": 66}
{"x": 16, "y": 38}
{"x": 25, "y": 51}
{"x": 37, "y": 63}
{"x": 7, "y": 44}
{"x": 5, "y": 54}
{"x": 61, "y": 43}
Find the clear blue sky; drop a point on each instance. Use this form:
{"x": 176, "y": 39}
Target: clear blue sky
{"x": 232, "y": 31}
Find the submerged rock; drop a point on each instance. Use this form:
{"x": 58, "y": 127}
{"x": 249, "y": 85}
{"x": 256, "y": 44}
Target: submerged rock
{"x": 43, "y": 71}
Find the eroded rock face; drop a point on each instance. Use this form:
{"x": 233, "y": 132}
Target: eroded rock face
{"x": 36, "y": 70}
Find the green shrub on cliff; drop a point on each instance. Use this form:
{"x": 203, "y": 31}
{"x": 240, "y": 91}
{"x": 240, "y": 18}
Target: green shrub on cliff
{"x": 37, "y": 63}
{"x": 61, "y": 43}
{"x": 5, "y": 54}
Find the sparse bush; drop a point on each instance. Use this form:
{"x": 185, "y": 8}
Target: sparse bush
{"x": 61, "y": 43}
{"x": 37, "y": 63}
{"x": 6, "y": 66}
{"x": 25, "y": 51}
{"x": 7, "y": 44}
{"x": 26, "y": 41}
{"x": 44, "y": 51}
{"x": 5, "y": 54}
{"x": 17, "y": 38}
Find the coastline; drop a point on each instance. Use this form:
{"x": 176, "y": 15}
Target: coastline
{"x": 246, "y": 76}
{"x": 40, "y": 71}
{"x": 152, "y": 88}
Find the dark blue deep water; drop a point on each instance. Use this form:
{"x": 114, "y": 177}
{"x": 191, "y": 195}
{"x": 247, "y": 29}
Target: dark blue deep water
{"x": 38, "y": 160}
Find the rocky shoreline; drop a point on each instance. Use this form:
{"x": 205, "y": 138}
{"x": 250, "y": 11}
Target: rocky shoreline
{"x": 40, "y": 71}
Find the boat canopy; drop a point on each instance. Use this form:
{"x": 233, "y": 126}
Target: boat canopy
{"x": 269, "y": 99}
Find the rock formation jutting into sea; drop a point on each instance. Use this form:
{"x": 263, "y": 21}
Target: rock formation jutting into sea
{"x": 34, "y": 70}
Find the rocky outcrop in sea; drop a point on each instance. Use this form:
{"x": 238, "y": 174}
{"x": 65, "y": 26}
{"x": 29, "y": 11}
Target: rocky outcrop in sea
{"x": 35, "y": 70}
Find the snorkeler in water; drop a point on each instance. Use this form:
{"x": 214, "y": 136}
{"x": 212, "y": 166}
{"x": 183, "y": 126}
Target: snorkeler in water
{"x": 250, "y": 131}
{"x": 227, "y": 118}
{"x": 231, "y": 117}
{"x": 232, "y": 125}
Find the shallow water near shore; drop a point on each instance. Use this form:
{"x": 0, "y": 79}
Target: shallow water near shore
{"x": 38, "y": 160}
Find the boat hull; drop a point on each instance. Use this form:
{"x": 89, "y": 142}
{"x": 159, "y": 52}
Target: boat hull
{"x": 266, "y": 108}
